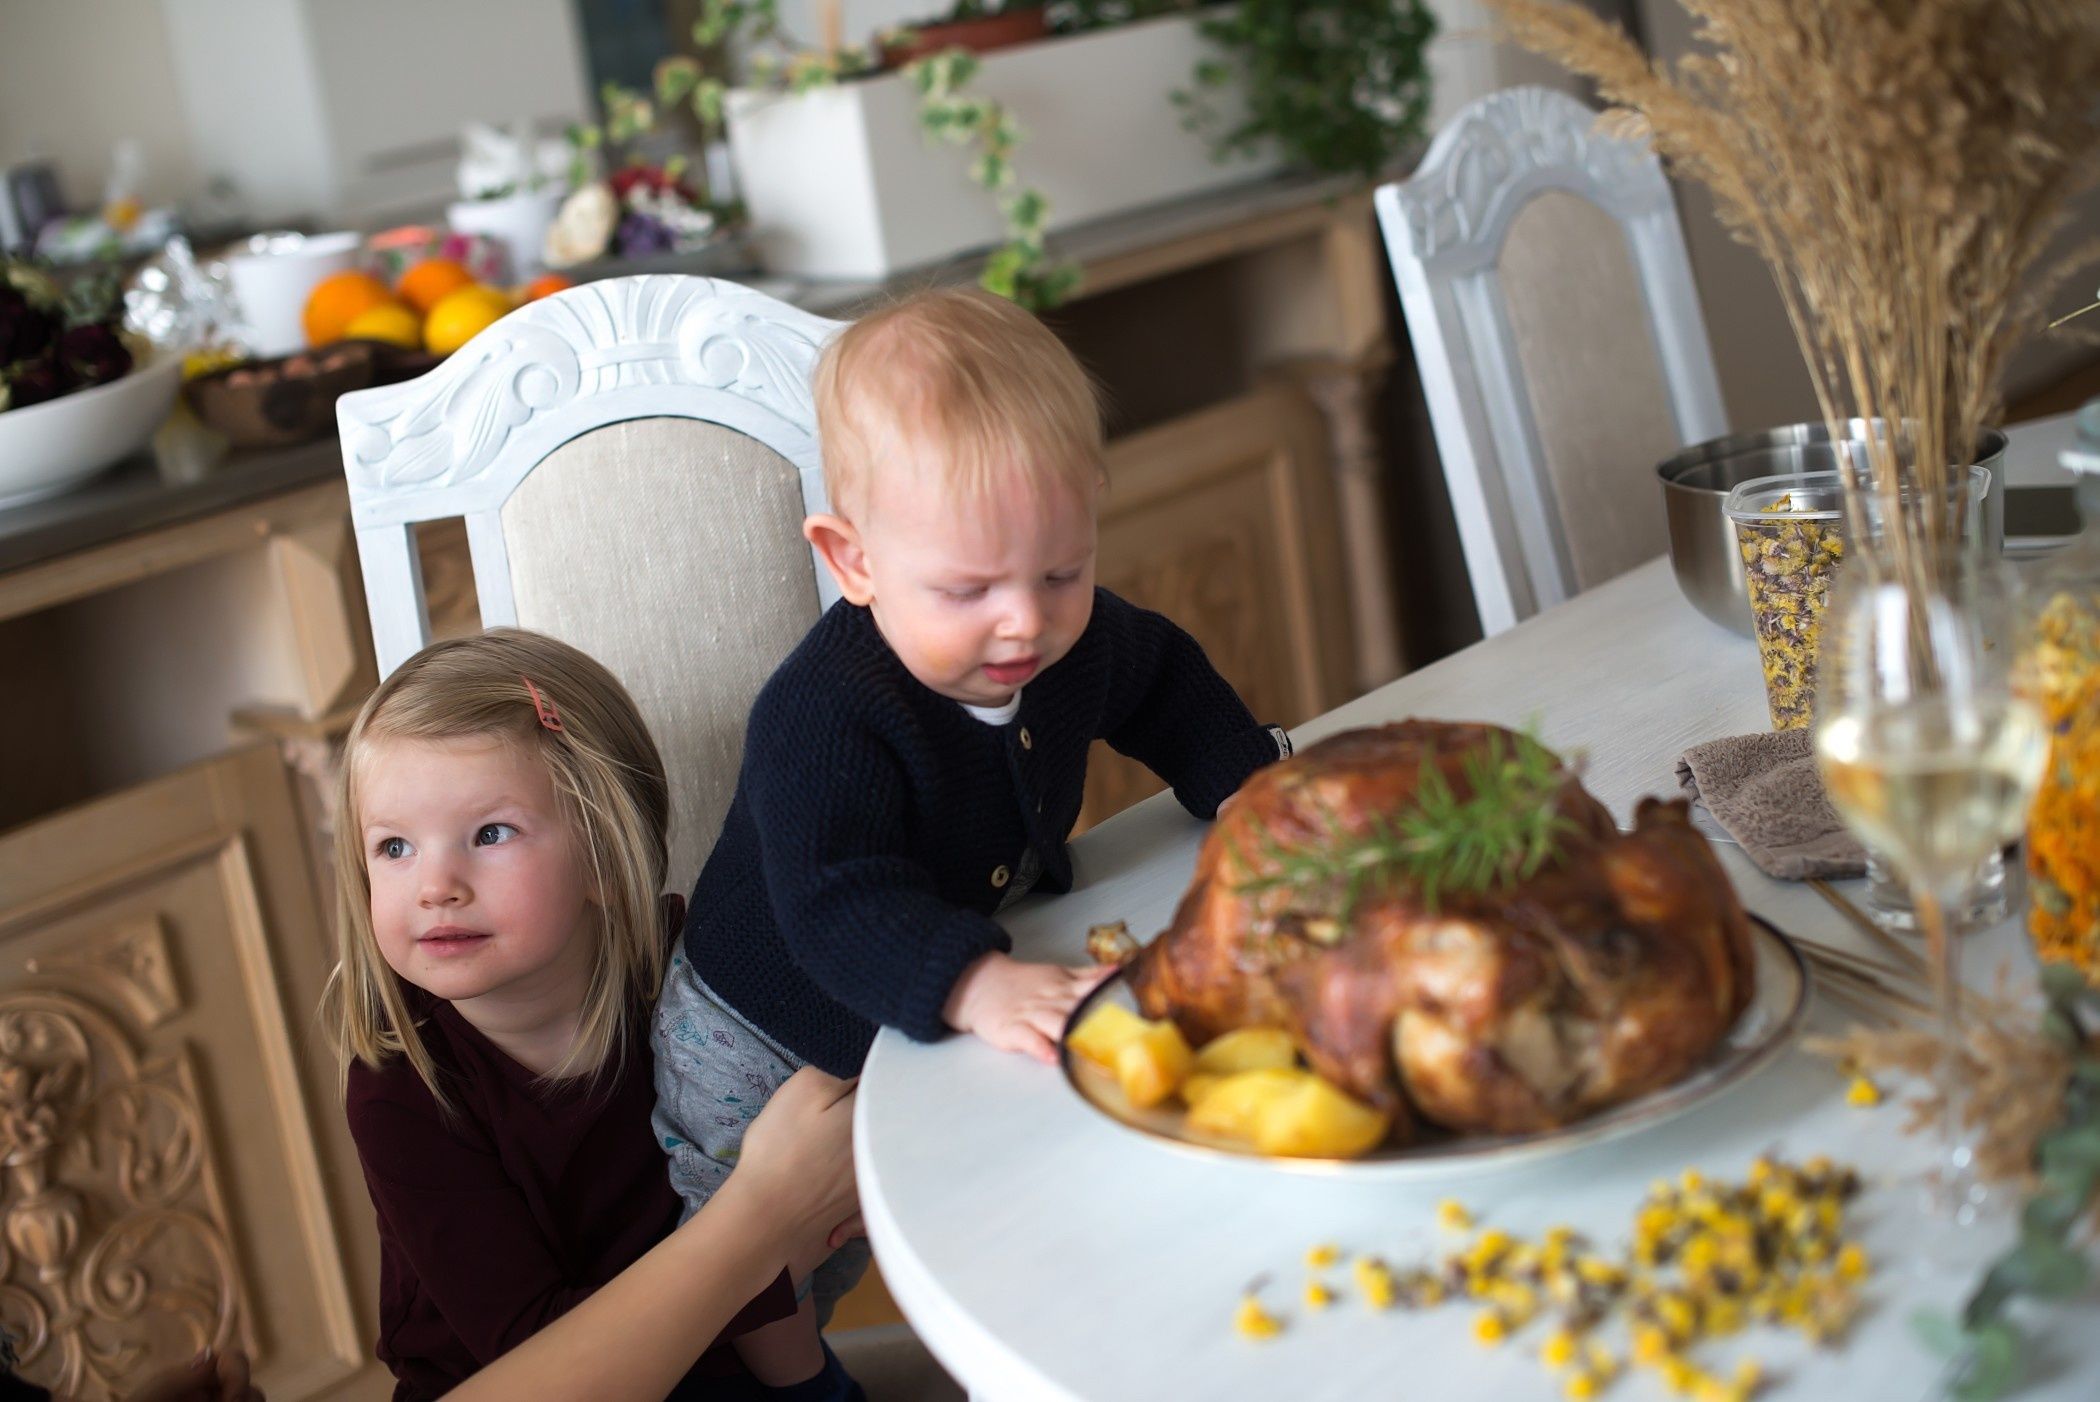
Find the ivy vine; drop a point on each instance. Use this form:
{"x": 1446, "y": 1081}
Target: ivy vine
{"x": 1019, "y": 269}
{"x": 1340, "y": 85}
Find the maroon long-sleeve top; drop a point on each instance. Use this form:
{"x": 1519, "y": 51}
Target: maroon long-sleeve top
{"x": 496, "y": 1220}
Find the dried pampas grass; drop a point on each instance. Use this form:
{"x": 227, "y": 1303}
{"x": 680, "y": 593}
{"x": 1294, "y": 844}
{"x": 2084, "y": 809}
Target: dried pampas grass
{"x": 1902, "y": 165}
{"x": 2012, "y": 1078}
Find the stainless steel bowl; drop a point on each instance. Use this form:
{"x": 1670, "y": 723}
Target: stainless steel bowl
{"x": 1698, "y": 480}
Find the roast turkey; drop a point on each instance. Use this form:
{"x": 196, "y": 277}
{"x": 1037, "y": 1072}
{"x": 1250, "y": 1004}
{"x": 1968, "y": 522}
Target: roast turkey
{"x": 1611, "y": 969}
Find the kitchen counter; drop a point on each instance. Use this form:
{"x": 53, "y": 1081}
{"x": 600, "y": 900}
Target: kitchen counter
{"x": 144, "y": 493}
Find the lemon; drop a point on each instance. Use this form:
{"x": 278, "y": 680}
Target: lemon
{"x": 461, "y": 316}
{"x": 392, "y": 323}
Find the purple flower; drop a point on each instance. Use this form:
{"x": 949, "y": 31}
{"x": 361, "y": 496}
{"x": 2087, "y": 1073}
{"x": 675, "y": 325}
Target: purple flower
{"x": 26, "y": 330}
{"x": 641, "y": 234}
{"x": 34, "y": 381}
{"x": 93, "y": 355}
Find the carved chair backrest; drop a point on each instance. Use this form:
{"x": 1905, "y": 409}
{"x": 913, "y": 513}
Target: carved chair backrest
{"x": 633, "y": 459}
{"x": 1557, "y": 328}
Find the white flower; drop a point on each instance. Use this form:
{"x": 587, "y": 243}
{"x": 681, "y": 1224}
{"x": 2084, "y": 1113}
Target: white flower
{"x": 583, "y": 227}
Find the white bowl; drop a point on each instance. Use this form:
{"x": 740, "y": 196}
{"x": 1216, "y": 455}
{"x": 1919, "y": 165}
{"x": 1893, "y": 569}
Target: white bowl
{"x": 46, "y": 448}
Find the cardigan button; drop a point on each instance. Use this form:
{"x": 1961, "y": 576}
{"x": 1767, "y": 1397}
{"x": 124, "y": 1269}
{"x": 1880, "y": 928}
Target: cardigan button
{"x": 1027, "y": 740}
{"x": 1000, "y": 876}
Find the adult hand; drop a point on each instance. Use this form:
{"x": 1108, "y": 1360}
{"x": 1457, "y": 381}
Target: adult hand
{"x": 797, "y": 1164}
{"x": 1019, "y": 1007}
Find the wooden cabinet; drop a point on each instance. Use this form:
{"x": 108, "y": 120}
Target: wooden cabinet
{"x": 1224, "y": 521}
{"x": 177, "y": 1170}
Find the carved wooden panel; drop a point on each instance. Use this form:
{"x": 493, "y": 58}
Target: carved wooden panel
{"x": 1224, "y": 522}
{"x": 174, "y": 1168}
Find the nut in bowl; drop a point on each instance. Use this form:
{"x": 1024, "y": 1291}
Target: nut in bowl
{"x": 1425, "y": 946}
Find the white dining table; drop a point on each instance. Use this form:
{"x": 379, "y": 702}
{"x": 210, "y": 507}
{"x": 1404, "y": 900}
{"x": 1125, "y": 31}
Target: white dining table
{"x": 1043, "y": 1251}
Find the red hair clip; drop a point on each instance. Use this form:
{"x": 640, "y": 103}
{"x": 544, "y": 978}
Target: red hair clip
{"x": 549, "y": 717}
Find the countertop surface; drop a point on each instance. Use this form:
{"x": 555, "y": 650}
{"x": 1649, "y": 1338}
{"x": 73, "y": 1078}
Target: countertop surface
{"x": 185, "y": 475}
{"x": 163, "y": 486}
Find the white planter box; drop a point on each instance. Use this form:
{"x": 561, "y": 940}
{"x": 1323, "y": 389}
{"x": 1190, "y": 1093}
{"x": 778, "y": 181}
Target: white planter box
{"x": 841, "y": 183}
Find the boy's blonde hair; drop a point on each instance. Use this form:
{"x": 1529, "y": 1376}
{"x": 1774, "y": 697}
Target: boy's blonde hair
{"x": 611, "y": 785}
{"x": 976, "y": 378}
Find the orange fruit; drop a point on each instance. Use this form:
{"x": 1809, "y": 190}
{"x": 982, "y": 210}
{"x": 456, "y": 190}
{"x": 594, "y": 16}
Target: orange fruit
{"x": 337, "y": 300}
{"x": 462, "y": 316}
{"x": 431, "y": 282}
{"x": 393, "y": 323}
{"x": 546, "y": 285}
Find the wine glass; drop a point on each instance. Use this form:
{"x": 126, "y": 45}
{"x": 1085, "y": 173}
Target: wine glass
{"x": 1931, "y": 752}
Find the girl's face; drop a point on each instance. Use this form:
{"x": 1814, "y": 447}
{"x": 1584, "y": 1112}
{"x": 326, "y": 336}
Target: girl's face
{"x": 479, "y": 890}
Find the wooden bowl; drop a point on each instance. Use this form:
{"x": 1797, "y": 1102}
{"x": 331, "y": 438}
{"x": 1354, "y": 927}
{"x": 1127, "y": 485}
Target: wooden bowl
{"x": 285, "y": 401}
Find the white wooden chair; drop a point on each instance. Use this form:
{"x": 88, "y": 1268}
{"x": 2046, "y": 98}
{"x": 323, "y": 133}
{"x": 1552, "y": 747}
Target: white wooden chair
{"x": 1551, "y": 305}
{"x": 633, "y": 459}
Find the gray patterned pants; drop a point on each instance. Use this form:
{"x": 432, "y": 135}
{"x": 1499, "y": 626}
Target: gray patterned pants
{"x": 714, "y": 1073}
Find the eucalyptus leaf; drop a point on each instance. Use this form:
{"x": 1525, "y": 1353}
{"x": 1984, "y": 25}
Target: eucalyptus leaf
{"x": 1993, "y": 1364}
{"x": 2047, "y": 1269}
{"x": 1990, "y": 1297}
{"x": 2072, "y": 1149}
{"x": 2062, "y": 983}
{"x": 1938, "y": 1332}
{"x": 2052, "y": 1211}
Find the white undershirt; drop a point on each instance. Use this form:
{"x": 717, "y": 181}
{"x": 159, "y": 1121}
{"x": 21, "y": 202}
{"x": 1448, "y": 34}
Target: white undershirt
{"x": 995, "y": 715}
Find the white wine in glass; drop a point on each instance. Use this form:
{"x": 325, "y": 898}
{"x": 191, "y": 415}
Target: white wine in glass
{"x": 1933, "y": 786}
{"x": 1931, "y": 754}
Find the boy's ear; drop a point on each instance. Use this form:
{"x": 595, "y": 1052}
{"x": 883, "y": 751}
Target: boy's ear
{"x": 838, "y": 544}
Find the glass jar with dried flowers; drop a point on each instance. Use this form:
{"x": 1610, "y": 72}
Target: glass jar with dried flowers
{"x": 2063, "y": 831}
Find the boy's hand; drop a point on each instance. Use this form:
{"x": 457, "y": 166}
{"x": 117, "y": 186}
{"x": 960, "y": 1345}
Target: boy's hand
{"x": 1019, "y": 1007}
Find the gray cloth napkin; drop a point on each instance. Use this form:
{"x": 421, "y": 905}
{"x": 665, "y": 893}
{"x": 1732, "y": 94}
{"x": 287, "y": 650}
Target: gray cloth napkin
{"x": 1764, "y": 790}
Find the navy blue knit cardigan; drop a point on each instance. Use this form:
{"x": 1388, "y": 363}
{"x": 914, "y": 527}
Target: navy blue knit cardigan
{"x": 876, "y": 824}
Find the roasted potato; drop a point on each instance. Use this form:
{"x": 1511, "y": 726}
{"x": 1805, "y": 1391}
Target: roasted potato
{"x": 1287, "y": 1111}
{"x": 1151, "y": 1066}
{"x": 1104, "y": 1031}
{"x": 1246, "y": 1049}
{"x": 1316, "y": 1120}
{"x": 1230, "y": 1105}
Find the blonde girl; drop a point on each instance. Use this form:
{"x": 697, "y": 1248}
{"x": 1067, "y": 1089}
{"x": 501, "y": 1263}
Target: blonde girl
{"x": 500, "y": 847}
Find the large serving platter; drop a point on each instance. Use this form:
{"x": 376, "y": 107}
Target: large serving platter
{"x": 1764, "y": 1029}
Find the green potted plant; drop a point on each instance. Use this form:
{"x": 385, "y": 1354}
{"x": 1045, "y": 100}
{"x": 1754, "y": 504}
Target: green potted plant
{"x": 839, "y": 183}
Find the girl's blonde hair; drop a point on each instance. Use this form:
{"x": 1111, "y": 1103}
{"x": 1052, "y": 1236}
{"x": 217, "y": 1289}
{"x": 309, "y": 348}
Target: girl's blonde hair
{"x": 982, "y": 382}
{"x": 611, "y": 785}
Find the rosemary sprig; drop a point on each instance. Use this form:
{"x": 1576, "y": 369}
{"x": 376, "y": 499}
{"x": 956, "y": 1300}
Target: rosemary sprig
{"x": 1506, "y": 828}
